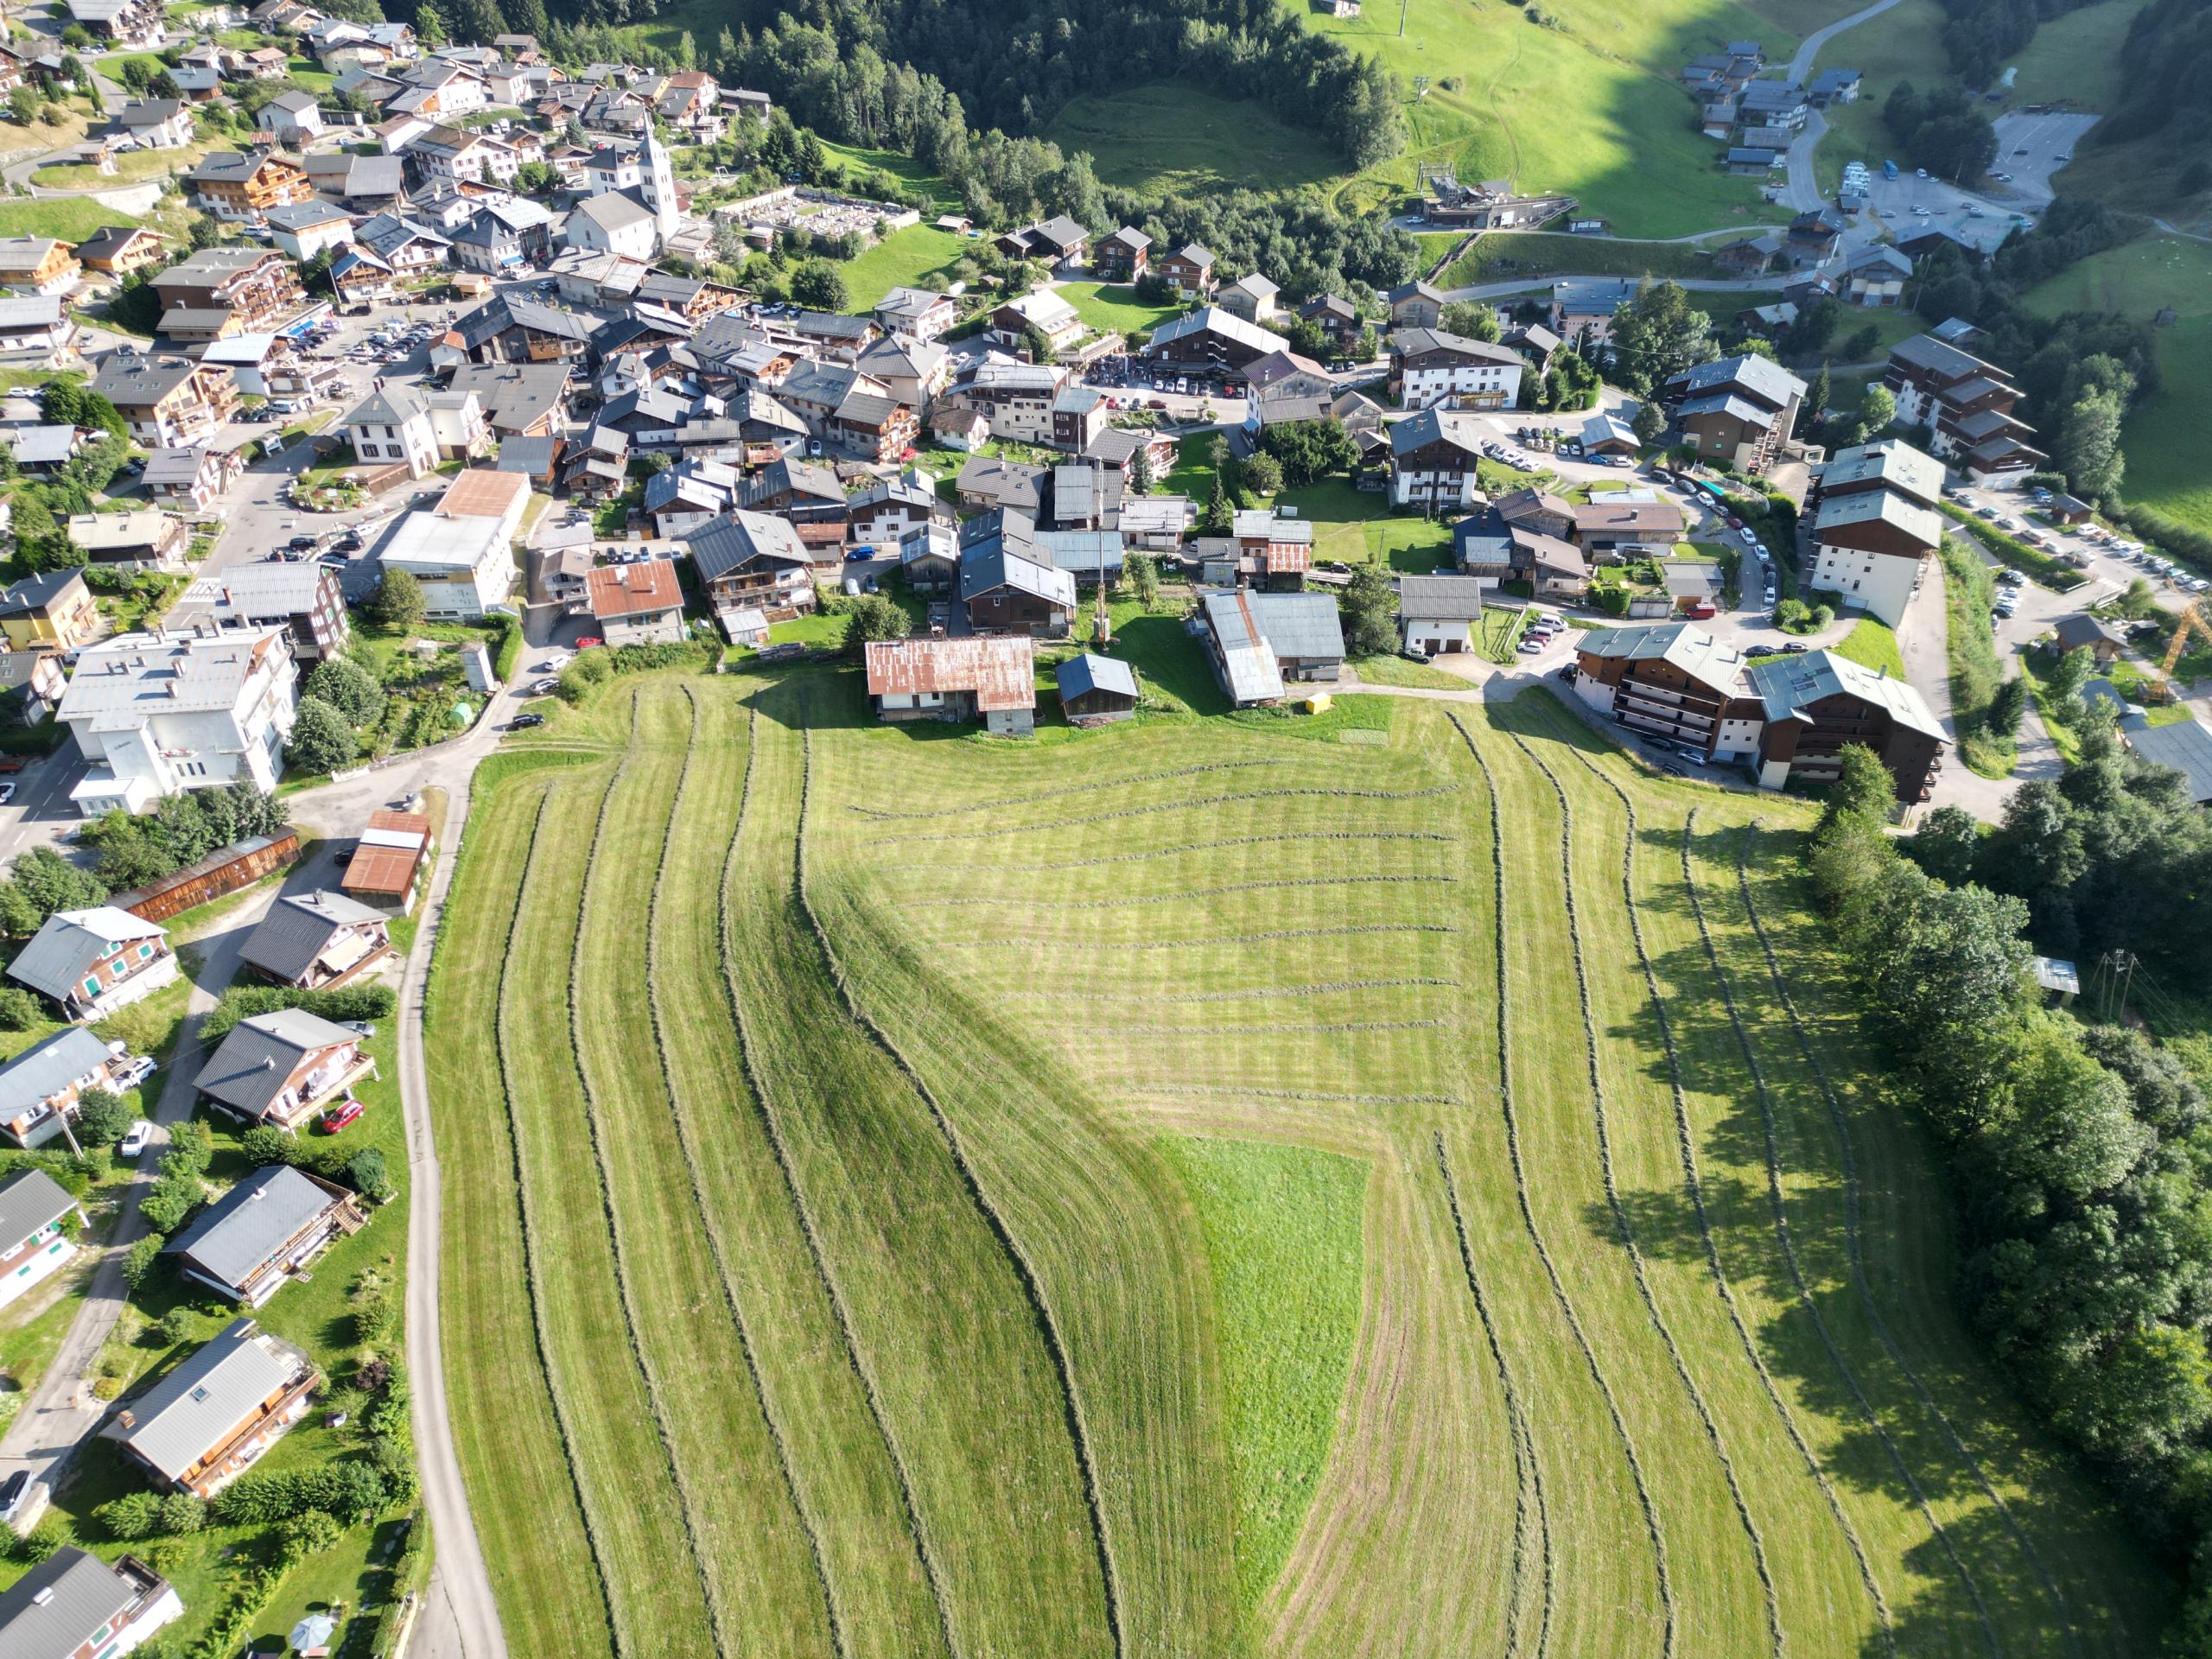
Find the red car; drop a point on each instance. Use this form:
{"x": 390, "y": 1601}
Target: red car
{"x": 341, "y": 1115}
{"x": 11, "y": 763}
{"x": 1699, "y": 613}
{"x": 588, "y": 641}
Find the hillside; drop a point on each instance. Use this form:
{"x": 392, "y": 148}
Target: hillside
{"x": 1197, "y": 1189}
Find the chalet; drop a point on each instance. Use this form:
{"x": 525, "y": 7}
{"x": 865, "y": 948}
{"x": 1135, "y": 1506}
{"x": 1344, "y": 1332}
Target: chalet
{"x": 1835, "y": 86}
{"x": 1609, "y": 435}
{"x": 1429, "y": 367}
{"x": 292, "y": 118}
{"x": 39, "y": 1091}
{"x": 688, "y": 494}
{"x": 74, "y": 1605}
{"x": 1876, "y": 275}
{"x": 1815, "y": 704}
{"x": 1096, "y": 690}
{"x": 1005, "y": 588}
{"x": 1284, "y": 373}
{"x": 38, "y": 1217}
{"x": 747, "y": 560}
{"x": 1189, "y": 271}
{"x": 912, "y": 371}
{"x": 1439, "y": 614}
{"x": 143, "y": 540}
{"x": 1969, "y": 403}
{"x": 1415, "y": 305}
{"x": 2068, "y": 509}
{"x": 1435, "y": 458}
{"x": 916, "y": 313}
{"x": 1813, "y": 237}
{"x": 890, "y": 507}
{"x": 198, "y": 476}
{"x": 1586, "y": 306}
{"x": 989, "y": 481}
{"x": 1211, "y": 340}
{"x": 1623, "y": 522}
{"x": 1271, "y": 550}
{"x": 91, "y": 963}
{"x": 1335, "y": 317}
{"x": 168, "y": 401}
{"x": 242, "y": 186}
{"x": 1041, "y": 309}
{"x": 832, "y": 335}
{"x": 315, "y": 940}
{"x": 38, "y": 265}
{"x": 1749, "y": 255}
{"x": 1741, "y": 409}
{"x": 2083, "y": 631}
{"x": 1251, "y": 296}
{"x": 51, "y": 610}
{"x": 511, "y": 329}
{"x": 1016, "y": 398}
{"x": 284, "y": 1068}
{"x": 406, "y": 245}
{"x": 519, "y": 400}
{"x": 385, "y": 871}
{"x": 117, "y": 252}
{"x": 1873, "y": 525}
{"x": 929, "y": 555}
{"x": 256, "y": 287}
{"x": 1122, "y": 256}
{"x": 1060, "y": 243}
{"x": 1672, "y": 680}
{"x": 640, "y": 603}
{"x": 1259, "y": 642}
{"x": 210, "y": 1420}
{"x": 991, "y": 678}
{"x": 809, "y": 497}
{"x": 1079, "y": 418}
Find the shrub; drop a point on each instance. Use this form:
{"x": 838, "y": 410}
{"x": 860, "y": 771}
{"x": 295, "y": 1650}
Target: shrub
{"x": 365, "y": 1174}
{"x": 322, "y": 740}
{"x": 140, "y": 1259}
{"x": 130, "y": 1517}
{"x": 308, "y": 1533}
{"x": 348, "y": 688}
{"x": 20, "y": 1009}
{"x": 182, "y": 1513}
{"x": 170, "y": 1200}
{"x": 373, "y": 1001}
{"x": 265, "y": 1144}
{"x": 102, "y": 1118}
{"x": 191, "y": 1143}
{"x": 176, "y": 1326}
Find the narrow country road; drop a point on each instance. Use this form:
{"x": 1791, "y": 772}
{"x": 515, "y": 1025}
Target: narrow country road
{"x": 1802, "y": 193}
{"x": 1695, "y": 284}
{"x": 1808, "y": 49}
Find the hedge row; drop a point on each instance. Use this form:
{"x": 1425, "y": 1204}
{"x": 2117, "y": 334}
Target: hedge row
{"x": 2054, "y": 574}
{"x": 373, "y": 1001}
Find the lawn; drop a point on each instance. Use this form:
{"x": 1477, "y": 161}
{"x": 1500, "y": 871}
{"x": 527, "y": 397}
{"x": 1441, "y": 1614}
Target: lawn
{"x": 1968, "y": 593}
{"x": 1505, "y": 258}
{"x": 132, "y": 167}
{"x": 1592, "y": 106}
{"x": 2168, "y": 468}
{"x": 1175, "y": 138}
{"x": 1113, "y": 308}
{"x": 905, "y": 168}
{"x": 1346, "y": 1260}
{"x": 903, "y": 259}
{"x": 72, "y": 219}
{"x": 2074, "y": 58}
{"x": 1871, "y": 644}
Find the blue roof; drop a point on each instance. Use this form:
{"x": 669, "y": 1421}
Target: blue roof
{"x": 1087, "y": 673}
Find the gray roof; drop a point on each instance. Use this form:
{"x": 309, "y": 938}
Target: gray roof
{"x": 388, "y": 405}
{"x": 1759, "y": 376}
{"x": 43, "y": 1071}
{"x": 1212, "y": 318}
{"x": 1443, "y": 598}
{"x": 177, "y": 466}
{"x": 71, "y": 941}
{"x": 1300, "y": 624}
{"x": 739, "y": 537}
{"x": 1090, "y": 672}
{"x": 1784, "y": 684}
{"x": 53, "y": 1610}
{"x": 42, "y": 445}
{"x": 2186, "y": 746}
{"x": 194, "y": 1408}
{"x": 256, "y": 1060}
{"x": 299, "y": 925}
{"x": 235, "y": 1235}
{"x": 1253, "y": 674}
{"x": 993, "y": 564}
{"x": 31, "y": 1199}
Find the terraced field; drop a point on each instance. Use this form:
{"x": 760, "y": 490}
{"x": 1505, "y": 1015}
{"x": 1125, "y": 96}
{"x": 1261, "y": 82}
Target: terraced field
{"x": 1198, "y": 1190}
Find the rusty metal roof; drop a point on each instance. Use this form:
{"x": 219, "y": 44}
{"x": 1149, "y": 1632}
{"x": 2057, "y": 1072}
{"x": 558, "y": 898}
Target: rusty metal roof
{"x": 633, "y": 589}
{"x": 999, "y": 670}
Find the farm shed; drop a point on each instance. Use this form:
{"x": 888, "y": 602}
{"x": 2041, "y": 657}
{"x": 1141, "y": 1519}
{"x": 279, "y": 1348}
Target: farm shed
{"x": 1095, "y": 690}
{"x": 222, "y": 872}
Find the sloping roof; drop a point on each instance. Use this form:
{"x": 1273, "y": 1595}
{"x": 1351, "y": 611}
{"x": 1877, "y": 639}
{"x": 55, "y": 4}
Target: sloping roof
{"x": 1787, "y": 685}
{"x": 234, "y": 1236}
{"x": 997, "y": 669}
{"x": 734, "y": 538}
{"x": 994, "y": 564}
{"x": 637, "y": 589}
{"x": 31, "y": 1199}
{"x": 1923, "y": 524}
{"x": 297, "y": 928}
{"x": 1681, "y": 645}
{"x": 1079, "y": 676}
{"x": 1248, "y": 661}
{"x": 1937, "y": 357}
{"x": 2083, "y": 629}
{"x": 390, "y": 848}
{"x": 482, "y": 492}
{"x": 1758, "y": 376}
{"x": 1450, "y": 426}
{"x": 1414, "y": 342}
{"x": 256, "y": 1058}
{"x": 1892, "y": 461}
{"x": 1212, "y": 318}
{"x": 1602, "y": 516}
{"x": 53, "y": 1610}
{"x": 1440, "y": 598}
{"x": 2186, "y": 746}
{"x": 196, "y": 1407}
{"x": 41, "y": 1071}
{"x": 71, "y": 941}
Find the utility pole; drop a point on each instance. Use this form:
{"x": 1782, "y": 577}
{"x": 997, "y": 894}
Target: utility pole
{"x": 2115, "y": 967}
{"x": 1401, "y": 18}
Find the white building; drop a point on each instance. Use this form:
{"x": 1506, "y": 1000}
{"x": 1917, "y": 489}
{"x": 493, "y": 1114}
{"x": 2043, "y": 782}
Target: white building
{"x": 293, "y": 117}
{"x": 612, "y": 223}
{"x": 305, "y": 229}
{"x": 461, "y": 551}
{"x": 391, "y": 426}
{"x": 159, "y": 714}
{"x": 75, "y": 1603}
{"x": 1431, "y": 368}
{"x": 33, "y": 1241}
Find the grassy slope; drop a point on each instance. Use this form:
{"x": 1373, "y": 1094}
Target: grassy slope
{"x": 1594, "y": 107}
{"x": 1282, "y": 1234}
{"x": 1502, "y": 258}
{"x": 1873, "y": 644}
{"x": 1177, "y": 137}
{"x": 1904, "y": 44}
{"x": 2074, "y": 57}
{"x": 2167, "y": 468}
{"x": 71, "y": 219}
{"x": 1969, "y": 593}
{"x": 1246, "y": 976}
{"x": 901, "y": 260}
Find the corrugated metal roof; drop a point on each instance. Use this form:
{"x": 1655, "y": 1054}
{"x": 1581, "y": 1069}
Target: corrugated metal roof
{"x": 51, "y": 1611}
{"x": 1000, "y": 670}
{"x": 1440, "y": 598}
{"x": 1090, "y": 672}
{"x": 1248, "y": 661}
{"x": 298, "y": 927}
{"x": 31, "y": 1199}
{"x": 1788, "y": 684}
{"x": 256, "y": 1056}
{"x": 634, "y": 590}
{"x": 235, "y": 1235}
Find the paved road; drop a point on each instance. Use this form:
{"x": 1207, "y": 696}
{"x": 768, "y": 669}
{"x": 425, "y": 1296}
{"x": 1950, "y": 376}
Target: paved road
{"x": 1695, "y": 284}
{"x": 1801, "y": 66}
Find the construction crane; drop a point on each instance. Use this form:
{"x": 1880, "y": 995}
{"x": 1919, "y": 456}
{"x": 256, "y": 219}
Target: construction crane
{"x": 2191, "y": 619}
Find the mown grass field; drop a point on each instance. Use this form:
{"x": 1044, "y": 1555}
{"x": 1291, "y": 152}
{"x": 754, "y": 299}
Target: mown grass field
{"x": 1176, "y": 137}
{"x": 1405, "y": 1183}
{"x": 2167, "y": 466}
{"x": 903, "y": 259}
{"x": 1500, "y": 258}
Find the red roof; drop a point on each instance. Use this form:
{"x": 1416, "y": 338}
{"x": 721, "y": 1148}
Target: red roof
{"x": 998, "y": 669}
{"x": 633, "y": 589}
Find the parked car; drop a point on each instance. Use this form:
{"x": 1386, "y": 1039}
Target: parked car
{"x": 134, "y": 1139}
{"x": 12, "y": 1493}
{"x": 363, "y": 1029}
{"x": 522, "y": 721}
{"x": 344, "y": 1112}
{"x": 1411, "y": 655}
{"x": 129, "y": 1074}
{"x": 589, "y": 641}
{"x": 7, "y": 792}
{"x": 12, "y": 763}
